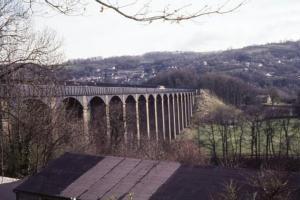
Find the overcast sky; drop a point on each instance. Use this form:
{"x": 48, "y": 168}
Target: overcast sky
{"x": 108, "y": 34}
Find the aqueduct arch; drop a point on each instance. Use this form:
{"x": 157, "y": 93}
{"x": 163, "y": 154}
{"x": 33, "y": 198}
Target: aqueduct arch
{"x": 152, "y": 119}
{"x": 98, "y": 126}
{"x": 116, "y": 120}
{"x": 73, "y": 108}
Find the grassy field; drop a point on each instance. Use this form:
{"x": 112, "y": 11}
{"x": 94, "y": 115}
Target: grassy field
{"x": 203, "y": 134}
{"x": 272, "y": 136}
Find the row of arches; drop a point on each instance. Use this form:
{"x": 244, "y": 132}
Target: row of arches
{"x": 125, "y": 117}
{"x": 160, "y": 116}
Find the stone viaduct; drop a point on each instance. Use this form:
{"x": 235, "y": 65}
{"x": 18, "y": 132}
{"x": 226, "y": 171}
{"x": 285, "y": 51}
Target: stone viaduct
{"x": 156, "y": 113}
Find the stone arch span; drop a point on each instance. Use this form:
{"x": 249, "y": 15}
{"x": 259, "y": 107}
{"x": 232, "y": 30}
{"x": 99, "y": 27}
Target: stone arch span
{"x": 72, "y": 107}
{"x": 131, "y": 118}
{"x": 142, "y": 116}
{"x": 172, "y": 117}
{"x": 188, "y": 108}
{"x": 116, "y": 120}
{"x": 166, "y": 116}
{"x": 176, "y": 115}
{"x": 180, "y": 111}
{"x": 151, "y": 107}
{"x": 184, "y": 108}
{"x": 160, "y": 117}
{"x": 97, "y": 122}
{"x": 93, "y": 98}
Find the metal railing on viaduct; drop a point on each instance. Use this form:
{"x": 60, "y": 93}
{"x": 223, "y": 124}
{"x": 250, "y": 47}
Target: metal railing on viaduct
{"x": 159, "y": 112}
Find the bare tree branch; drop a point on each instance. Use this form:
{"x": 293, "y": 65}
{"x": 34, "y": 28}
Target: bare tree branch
{"x": 144, "y": 13}
{"x": 175, "y": 15}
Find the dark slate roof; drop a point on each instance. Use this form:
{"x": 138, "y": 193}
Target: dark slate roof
{"x": 91, "y": 177}
{"x": 59, "y": 174}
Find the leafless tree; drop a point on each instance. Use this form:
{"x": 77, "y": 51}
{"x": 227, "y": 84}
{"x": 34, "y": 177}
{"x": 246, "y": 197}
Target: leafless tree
{"x": 20, "y": 47}
{"x": 26, "y": 57}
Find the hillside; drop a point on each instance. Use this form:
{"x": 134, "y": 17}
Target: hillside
{"x": 206, "y": 103}
{"x": 270, "y": 65}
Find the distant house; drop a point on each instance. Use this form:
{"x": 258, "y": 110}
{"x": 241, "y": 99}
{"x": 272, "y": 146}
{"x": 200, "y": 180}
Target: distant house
{"x": 264, "y": 99}
{"x": 86, "y": 177}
